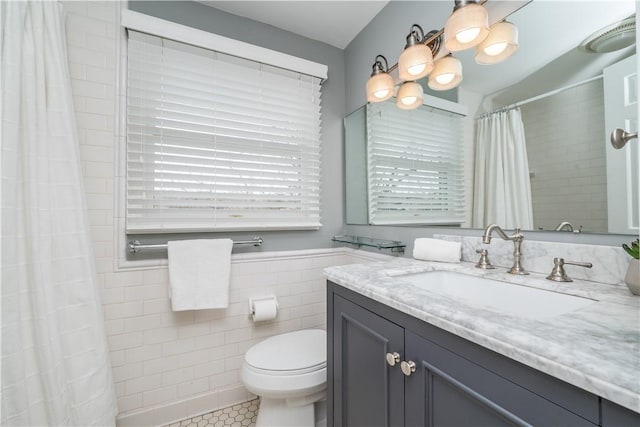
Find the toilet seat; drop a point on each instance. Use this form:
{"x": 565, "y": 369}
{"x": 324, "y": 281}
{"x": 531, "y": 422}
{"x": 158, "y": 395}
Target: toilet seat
{"x": 292, "y": 353}
{"x": 290, "y": 372}
{"x": 287, "y": 365}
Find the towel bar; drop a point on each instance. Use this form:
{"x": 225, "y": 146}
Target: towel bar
{"x": 135, "y": 246}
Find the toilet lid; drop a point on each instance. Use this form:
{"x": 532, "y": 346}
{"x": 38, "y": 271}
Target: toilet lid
{"x": 292, "y": 351}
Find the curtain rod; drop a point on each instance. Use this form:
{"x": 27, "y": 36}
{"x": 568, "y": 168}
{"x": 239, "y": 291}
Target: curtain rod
{"x": 538, "y": 97}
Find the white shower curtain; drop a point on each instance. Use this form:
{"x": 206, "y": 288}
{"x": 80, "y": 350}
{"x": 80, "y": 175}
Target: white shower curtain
{"x": 55, "y": 360}
{"x": 502, "y": 189}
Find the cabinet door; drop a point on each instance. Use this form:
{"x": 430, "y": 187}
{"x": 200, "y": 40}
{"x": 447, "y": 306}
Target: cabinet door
{"x": 366, "y": 390}
{"x": 616, "y": 416}
{"x": 449, "y": 390}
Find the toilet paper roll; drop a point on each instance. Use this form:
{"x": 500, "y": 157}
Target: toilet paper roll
{"x": 266, "y": 309}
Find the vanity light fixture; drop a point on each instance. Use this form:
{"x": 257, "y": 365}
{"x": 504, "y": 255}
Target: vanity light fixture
{"x": 446, "y": 74}
{"x": 468, "y": 26}
{"x": 409, "y": 96}
{"x": 416, "y": 61}
{"x": 500, "y": 44}
{"x": 380, "y": 85}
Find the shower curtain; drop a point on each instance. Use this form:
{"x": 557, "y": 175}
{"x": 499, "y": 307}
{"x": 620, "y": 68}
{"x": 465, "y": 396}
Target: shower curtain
{"x": 502, "y": 189}
{"x": 55, "y": 360}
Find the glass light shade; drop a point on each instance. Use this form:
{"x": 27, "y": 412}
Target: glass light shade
{"x": 466, "y": 27}
{"x": 446, "y": 74}
{"x": 500, "y": 44}
{"x": 380, "y": 87}
{"x": 409, "y": 96}
{"x": 415, "y": 62}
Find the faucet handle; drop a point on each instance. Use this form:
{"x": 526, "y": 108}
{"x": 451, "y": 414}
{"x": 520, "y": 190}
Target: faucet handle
{"x": 559, "y": 275}
{"x": 484, "y": 262}
{"x": 579, "y": 264}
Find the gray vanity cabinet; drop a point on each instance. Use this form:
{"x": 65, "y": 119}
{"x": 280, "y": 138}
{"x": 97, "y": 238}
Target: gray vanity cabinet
{"x": 369, "y": 391}
{"x": 449, "y": 390}
{"x": 454, "y": 382}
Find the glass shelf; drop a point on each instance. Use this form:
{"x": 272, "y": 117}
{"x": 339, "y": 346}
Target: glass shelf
{"x": 393, "y": 245}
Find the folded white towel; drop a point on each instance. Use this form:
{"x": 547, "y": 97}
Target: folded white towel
{"x": 436, "y": 250}
{"x": 199, "y": 273}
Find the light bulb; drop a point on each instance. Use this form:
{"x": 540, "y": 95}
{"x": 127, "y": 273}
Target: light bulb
{"x": 495, "y": 49}
{"x": 446, "y": 74}
{"x": 468, "y": 35}
{"x": 380, "y": 87}
{"x": 381, "y": 93}
{"x": 467, "y": 26}
{"x": 445, "y": 78}
{"x": 415, "y": 62}
{"x": 416, "y": 69}
{"x": 408, "y": 100}
{"x": 501, "y": 43}
{"x": 409, "y": 96}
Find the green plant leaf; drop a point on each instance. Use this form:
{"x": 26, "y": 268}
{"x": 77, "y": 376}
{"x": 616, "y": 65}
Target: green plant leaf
{"x": 634, "y": 251}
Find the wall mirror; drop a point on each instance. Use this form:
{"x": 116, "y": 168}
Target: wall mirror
{"x": 568, "y": 110}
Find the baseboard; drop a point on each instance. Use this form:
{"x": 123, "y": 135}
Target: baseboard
{"x": 189, "y": 408}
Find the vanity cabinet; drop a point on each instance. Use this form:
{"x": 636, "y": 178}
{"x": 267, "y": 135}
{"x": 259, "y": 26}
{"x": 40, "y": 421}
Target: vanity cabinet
{"x": 370, "y": 394}
{"x": 451, "y": 381}
{"x": 448, "y": 390}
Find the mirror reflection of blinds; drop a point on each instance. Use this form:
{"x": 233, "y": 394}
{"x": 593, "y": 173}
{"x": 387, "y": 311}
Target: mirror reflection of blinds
{"x": 216, "y": 142}
{"x": 415, "y": 166}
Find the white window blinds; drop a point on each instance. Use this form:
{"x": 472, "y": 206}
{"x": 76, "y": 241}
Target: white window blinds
{"x": 216, "y": 142}
{"x": 415, "y": 166}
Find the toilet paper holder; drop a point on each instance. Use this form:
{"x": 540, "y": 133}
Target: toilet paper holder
{"x": 252, "y": 310}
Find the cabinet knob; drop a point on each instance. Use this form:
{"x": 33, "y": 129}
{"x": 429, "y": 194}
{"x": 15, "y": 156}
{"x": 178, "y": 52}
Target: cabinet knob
{"x": 392, "y": 358}
{"x": 408, "y": 367}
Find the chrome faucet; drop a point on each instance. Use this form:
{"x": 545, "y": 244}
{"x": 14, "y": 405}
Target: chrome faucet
{"x": 566, "y": 225}
{"x": 517, "y": 239}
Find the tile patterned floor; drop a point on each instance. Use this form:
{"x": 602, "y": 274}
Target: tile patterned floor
{"x": 240, "y": 415}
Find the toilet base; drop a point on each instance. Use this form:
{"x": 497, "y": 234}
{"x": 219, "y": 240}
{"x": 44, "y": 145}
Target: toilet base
{"x": 321, "y": 413}
{"x": 276, "y": 412}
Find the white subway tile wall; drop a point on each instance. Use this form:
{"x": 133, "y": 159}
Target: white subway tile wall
{"x": 170, "y": 365}
{"x": 572, "y": 155}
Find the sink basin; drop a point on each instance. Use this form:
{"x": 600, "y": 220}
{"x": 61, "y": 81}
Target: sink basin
{"x": 498, "y": 296}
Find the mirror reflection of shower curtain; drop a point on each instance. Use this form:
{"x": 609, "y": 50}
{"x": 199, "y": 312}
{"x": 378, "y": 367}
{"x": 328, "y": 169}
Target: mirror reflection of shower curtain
{"x": 502, "y": 190}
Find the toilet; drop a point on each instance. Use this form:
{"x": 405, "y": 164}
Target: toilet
{"x": 289, "y": 373}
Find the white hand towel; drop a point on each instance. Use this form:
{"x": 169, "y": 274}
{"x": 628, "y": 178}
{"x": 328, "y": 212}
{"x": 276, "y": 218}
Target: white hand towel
{"x": 199, "y": 273}
{"x": 436, "y": 250}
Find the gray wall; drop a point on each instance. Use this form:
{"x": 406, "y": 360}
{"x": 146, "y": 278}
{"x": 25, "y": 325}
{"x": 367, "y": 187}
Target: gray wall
{"x": 216, "y": 21}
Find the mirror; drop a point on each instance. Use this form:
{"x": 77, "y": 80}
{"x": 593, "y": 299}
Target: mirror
{"x": 562, "y": 82}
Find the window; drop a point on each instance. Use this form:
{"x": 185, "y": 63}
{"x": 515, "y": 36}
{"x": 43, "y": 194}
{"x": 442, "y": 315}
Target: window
{"x": 415, "y": 165}
{"x": 218, "y": 143}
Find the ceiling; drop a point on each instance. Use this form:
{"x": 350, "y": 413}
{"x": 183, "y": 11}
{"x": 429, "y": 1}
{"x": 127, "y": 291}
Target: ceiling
{"x": 331, "y": 21}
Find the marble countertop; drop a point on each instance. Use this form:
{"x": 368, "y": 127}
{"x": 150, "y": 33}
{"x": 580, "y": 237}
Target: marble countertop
{"x": 596, "y": 348}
